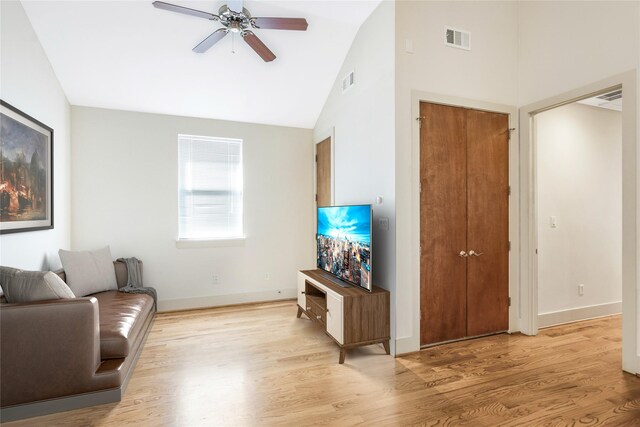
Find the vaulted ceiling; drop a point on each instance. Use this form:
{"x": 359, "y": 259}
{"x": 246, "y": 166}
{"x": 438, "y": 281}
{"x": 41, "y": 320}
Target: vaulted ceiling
{"x": 129, "y": 55}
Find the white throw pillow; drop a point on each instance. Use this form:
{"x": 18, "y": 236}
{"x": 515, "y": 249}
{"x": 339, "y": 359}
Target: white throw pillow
{"x": 29, "y": 286}
{"x": 89, "y": 272}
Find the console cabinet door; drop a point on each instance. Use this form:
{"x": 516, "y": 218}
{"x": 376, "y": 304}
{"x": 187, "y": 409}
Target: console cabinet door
{"x": 302, "y": 300}
{"x": 334, "y": 316}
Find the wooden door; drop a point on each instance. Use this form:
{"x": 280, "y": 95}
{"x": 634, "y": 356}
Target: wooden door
{"x": 323, "y": 173}
{"x": 443, "y": 223}
{"x": 464, "y": 177}
{"x": 487, "y": 222}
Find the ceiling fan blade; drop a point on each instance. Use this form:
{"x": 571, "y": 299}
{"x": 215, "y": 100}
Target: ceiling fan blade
{"x": 235, "y": 5}
{"x": 213, "y": 38}
{"x": 185, "y": 10}
{"x": 296, "y": 24}
{"x": 259, "y": 47}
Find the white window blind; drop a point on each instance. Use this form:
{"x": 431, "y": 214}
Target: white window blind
{"x": 210, "y": 187}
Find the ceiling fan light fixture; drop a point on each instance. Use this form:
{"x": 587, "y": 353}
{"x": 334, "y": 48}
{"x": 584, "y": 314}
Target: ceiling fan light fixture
{"x": 235, "y": 27}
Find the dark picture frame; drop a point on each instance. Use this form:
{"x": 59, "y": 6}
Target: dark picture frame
{"x": 26, "y": 172}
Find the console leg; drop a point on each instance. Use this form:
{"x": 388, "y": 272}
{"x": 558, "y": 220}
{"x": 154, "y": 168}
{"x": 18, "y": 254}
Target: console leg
{"x": 385, "y": 344}
{"x": 342, "y": 355}
{"x": 300, "y": 313}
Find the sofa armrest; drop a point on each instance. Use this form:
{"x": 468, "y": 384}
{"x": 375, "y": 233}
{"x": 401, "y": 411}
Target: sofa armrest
{"x": 48, "y": 349}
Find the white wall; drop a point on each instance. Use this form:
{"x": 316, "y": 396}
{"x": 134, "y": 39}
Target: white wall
{"x": 579, "y": 182}
{"x": 364, "y": 122}
{"x": 566, "y": 45}
{"x": 28, "y": 82}
{"x": 486, "y": 73}
{"x": 125, "y": 194}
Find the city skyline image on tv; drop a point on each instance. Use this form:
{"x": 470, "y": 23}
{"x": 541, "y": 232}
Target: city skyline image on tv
{"x": 344, "y": 243}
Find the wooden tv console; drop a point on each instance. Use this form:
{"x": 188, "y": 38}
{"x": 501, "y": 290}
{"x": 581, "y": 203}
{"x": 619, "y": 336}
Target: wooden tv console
{"x": 352, "y": 317}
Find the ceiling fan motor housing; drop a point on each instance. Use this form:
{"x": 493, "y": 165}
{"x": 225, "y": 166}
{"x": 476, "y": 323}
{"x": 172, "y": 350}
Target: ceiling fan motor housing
{"x": 235, "y": 22}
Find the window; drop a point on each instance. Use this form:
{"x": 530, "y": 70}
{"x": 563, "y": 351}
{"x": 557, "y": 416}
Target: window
{"x": 210, "y": 188}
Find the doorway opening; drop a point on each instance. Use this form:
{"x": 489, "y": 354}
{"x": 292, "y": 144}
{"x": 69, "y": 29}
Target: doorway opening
{"x": 528, "y": 258}
{"x": 578, "y": 204}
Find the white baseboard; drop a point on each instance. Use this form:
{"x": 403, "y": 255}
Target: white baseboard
{"x": 576, "y": 314}
{"x": 220, "y": 300}
{"x": 405, "y": 345}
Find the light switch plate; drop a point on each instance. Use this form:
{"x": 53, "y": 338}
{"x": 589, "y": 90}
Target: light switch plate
{"x": 408, "y": 45}
{"x": 383, "y": 223}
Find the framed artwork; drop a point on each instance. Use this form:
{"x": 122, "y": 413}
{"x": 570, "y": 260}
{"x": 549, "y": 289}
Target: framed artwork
{"x": 26, "y": 172}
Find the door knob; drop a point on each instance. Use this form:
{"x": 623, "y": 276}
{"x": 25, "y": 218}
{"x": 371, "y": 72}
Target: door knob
{"x": 463, "y": 254}
{"x": 474, "y": 253}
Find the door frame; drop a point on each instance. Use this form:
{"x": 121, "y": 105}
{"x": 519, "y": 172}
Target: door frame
{"x": 528, "y": 207}
{"x": 416, "y": 98}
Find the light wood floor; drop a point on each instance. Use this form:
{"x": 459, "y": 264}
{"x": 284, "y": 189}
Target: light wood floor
{"x": 259, "y": 365}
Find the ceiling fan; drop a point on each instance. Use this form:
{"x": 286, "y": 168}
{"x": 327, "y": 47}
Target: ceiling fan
{"x": 237, "y": 20}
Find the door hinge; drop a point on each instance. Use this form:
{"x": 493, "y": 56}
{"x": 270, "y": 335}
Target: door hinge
{"x": 510, "y": 131}
{"x": 420, "y": 119}
{"x": 509, "y": 301}
{"x": 316, "y": 197}
{"x": 509, "y": 190}
{"x": 316, "y": 158}
{"x": 420, "y": 187}
{"x": 509, "y": 244}
{"x": 420, "y": 250}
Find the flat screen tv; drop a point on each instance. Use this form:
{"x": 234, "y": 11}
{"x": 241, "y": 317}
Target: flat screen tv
{"x": 344, "y": 243}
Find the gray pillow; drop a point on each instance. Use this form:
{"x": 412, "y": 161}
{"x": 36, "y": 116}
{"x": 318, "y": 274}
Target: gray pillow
{"x": 5, "y": 274}
{"x": 29, "y": 286}
{"x": 89, "y": 272}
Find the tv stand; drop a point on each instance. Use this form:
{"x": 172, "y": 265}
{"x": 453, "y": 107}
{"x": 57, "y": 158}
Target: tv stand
{"x": 352, "y": 317}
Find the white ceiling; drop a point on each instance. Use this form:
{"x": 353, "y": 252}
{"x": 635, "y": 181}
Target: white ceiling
{"x": 129, "y": 55}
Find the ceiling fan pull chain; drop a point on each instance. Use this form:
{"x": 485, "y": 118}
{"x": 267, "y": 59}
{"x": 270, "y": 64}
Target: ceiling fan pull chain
{"x": 233, "y": 43}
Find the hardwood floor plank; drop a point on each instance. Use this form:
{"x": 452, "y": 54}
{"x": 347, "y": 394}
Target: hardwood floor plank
{"x": 260, "y": 365}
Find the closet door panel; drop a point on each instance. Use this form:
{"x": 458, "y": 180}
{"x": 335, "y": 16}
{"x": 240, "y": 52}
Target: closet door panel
{"x": 487, "y": 222}
{"x": 443, "y": 234}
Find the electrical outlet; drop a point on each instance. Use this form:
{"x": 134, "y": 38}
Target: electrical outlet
{"x": 267, "y": 276}
{"x": 214, "y": 279}
{"x": 581, "y": 289}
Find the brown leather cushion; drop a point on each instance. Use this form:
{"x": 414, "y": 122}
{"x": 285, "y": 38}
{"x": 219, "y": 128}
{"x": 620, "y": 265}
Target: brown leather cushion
{"x": 122, "y": 316}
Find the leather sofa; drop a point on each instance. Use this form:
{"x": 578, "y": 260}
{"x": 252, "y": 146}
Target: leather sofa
{"x": 70, "y": 353}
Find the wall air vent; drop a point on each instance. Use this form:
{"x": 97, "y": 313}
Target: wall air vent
{"x": 611, "y": 96}
{"x": 610, "y": 100}
{"x": 347, "y": 82}
{"x": 457, "y": 38}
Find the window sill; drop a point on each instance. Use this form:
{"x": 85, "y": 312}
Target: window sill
{"x": 209, "y": 243}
